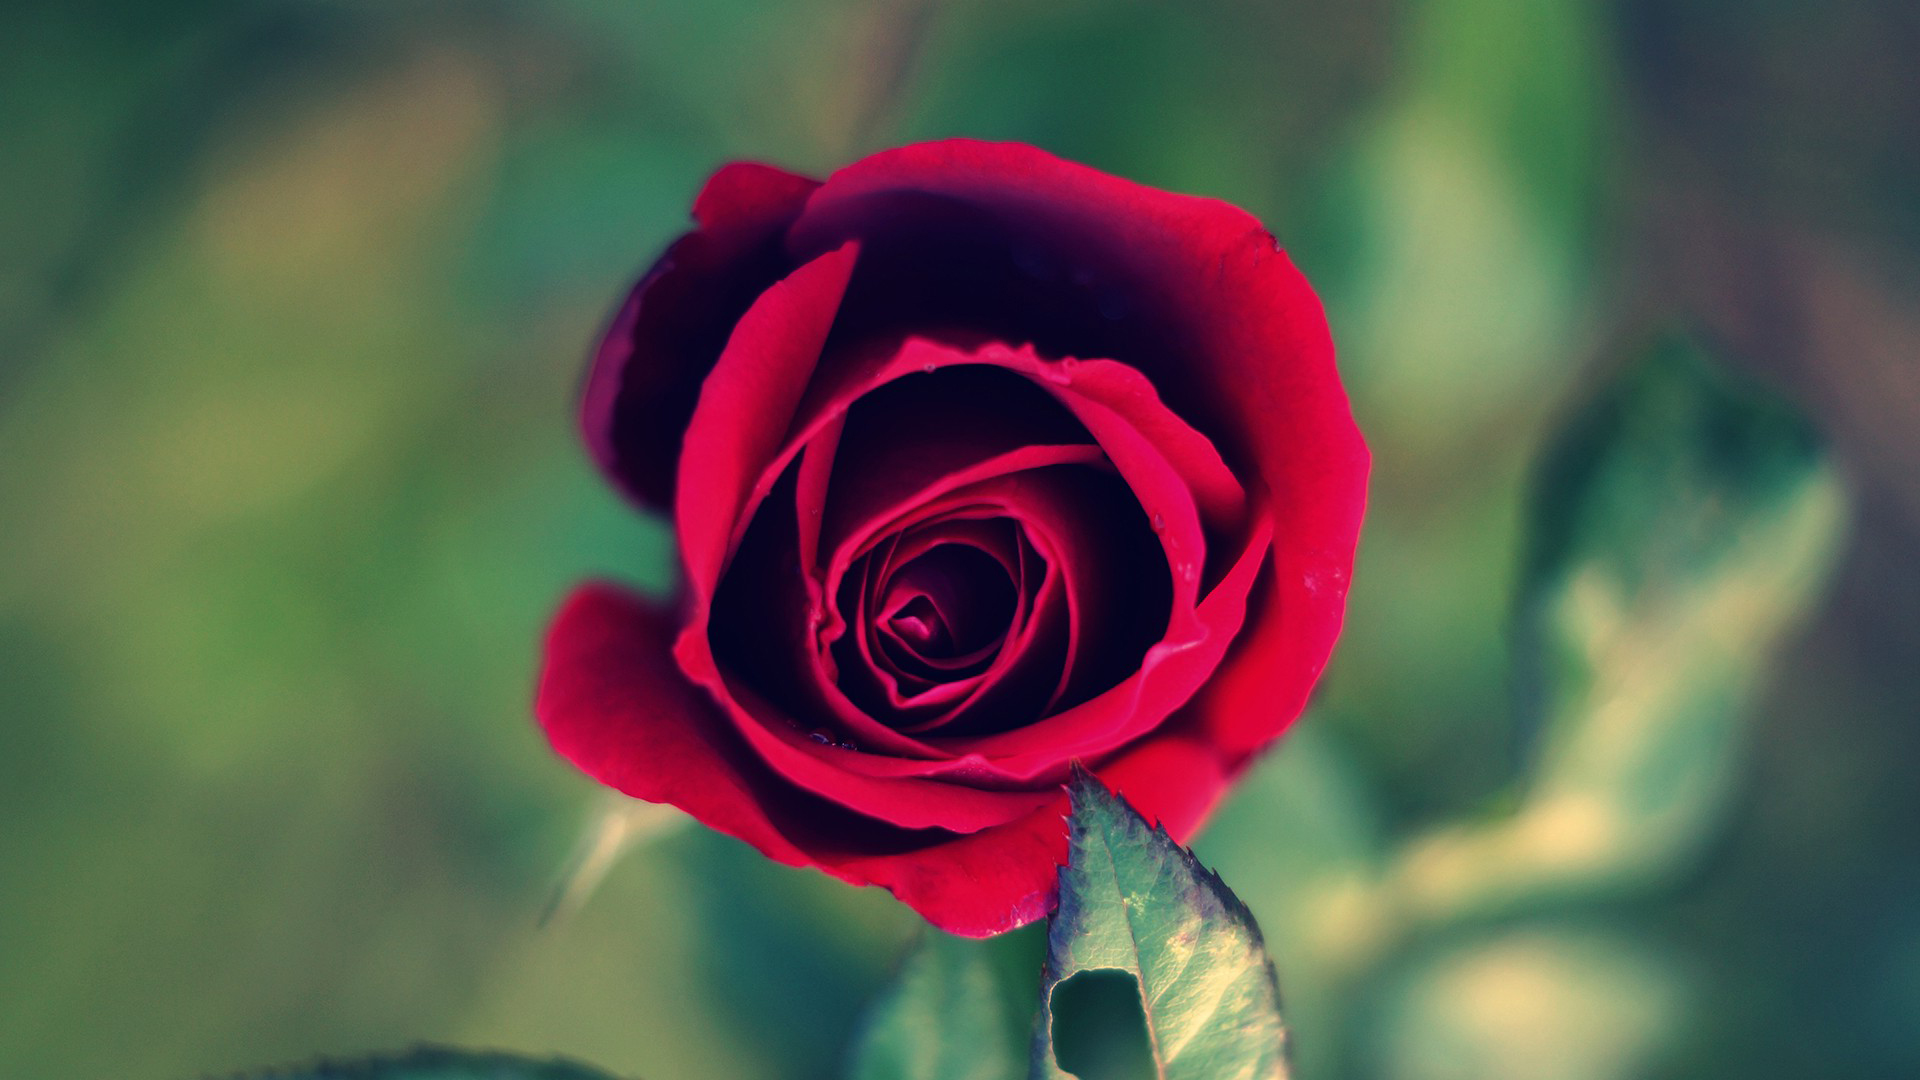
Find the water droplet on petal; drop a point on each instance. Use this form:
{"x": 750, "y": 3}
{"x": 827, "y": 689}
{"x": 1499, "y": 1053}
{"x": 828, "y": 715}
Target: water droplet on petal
{"x": 1059, "y": 372}
{"x": 822, "y": 736}
{"x": 1159, "y": 523}
{"x": 927, "y": 368}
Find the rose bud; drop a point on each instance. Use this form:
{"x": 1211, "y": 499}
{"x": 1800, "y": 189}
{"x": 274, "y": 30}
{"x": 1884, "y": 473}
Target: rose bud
{"x": 981, "y": 463}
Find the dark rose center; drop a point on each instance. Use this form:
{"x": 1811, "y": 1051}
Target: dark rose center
{"x": 949, "y": 610}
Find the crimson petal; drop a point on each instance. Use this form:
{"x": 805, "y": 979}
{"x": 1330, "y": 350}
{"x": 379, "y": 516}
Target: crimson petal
{"x": 737, "y": 426}
{"x": 613, "y": 705}
{"x": 1194, "y": 293}
{"x": 648, "y": 367}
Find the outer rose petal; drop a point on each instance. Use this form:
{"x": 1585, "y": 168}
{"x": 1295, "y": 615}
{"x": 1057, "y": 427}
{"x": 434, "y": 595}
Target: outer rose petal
{"x": 749, "y": 195}
{"x": 612, "y": 703}
{"x": 740, "y": 420}
{"x": 647, "y": 370}
{"x": 1172, "y": 779}
{"x": 980, "y": 885}
{"x": 1004, "y": 878}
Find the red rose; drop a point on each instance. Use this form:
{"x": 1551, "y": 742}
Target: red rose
{"x": 982, "y": 463}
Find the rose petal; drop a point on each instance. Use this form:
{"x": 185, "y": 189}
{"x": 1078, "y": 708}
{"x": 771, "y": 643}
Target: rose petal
{"x": 621, "y": 715}
{"x": 911, "y": 798}
{"x": 978, "y": 885}
{"x": 760, "y": 630}
{"x": 749, "y": 194}
{"x": 738, "y": 424}
{"x": 1260, "y": 688}
{"x": 890, "y": 591}
{"x": 1168, "y": 677}
{"x": 1125, "y": 415}
{"x": 613, "y": 705}
{"x": 875, "y": 521}
{"x": 913, "y": 427}
{"x": 1173, "y": 780}
{"x": 761, "y": 696}
{"x": 1078, "y": 520}
{"x": 1191, "y": 291}
{"x": 1030, "y": 663}
{"x": 648, "y": 367}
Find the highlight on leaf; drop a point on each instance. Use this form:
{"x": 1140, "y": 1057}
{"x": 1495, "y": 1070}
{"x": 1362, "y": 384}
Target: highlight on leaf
{"x": 1138, "y": 910}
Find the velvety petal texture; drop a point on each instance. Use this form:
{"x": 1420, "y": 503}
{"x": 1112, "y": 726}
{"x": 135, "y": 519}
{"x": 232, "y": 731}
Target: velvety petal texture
{"x": 982, "y": 464}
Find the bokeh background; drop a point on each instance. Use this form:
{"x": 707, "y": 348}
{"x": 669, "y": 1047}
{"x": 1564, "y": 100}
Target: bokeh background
{"x": 294, "y": 297}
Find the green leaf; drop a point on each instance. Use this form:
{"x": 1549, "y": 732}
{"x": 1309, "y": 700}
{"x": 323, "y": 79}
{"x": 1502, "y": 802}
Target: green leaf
{"x": 435, "y": 1063}
{"x": 942, "y": 1019}
{"x": 1683, "y": 521}
{"x": 1473, "y": 179}
{"x": 1136, "y": 908}
{"x": 1316, "y": 895}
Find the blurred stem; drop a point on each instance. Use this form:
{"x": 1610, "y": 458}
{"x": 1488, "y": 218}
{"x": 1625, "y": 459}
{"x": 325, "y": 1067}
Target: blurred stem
{"x": 617, "y": 824}
{"x": 888, "y": 44}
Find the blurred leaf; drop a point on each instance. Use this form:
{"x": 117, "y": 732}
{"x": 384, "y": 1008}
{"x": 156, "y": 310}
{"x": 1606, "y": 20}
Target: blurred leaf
{"x": 1532, "y": 79}
{"x": 1540, "y": 1002}
{"x": 1682, "y": 522}
{"x": 1135, "y": 904}
{"x": 436, "y": 1063}
{"x": 1452, "y": 244}
{"x": 940, "y": 1020}
{"x": 1475, "y": 181}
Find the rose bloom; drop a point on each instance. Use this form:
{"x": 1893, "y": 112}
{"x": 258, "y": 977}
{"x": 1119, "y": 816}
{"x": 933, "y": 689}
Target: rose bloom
{"x": 982, "y": 463}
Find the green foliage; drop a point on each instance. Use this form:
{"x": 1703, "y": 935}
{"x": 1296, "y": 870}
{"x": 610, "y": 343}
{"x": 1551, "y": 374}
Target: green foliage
{"x": 1683, "y": 522}
{"x": 436, "y": 1063}
{"x": 295, "y": 299}
{"x": 1134, "y": 902}
{"x": 1570, "y": 1003}
{"x": 942, "y": 1019}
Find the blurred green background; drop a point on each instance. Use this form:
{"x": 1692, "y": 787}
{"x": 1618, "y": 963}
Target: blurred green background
{"x": 294, "y": 297}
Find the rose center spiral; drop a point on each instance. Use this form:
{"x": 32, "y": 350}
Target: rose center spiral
{"x": 946, "y": 612}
